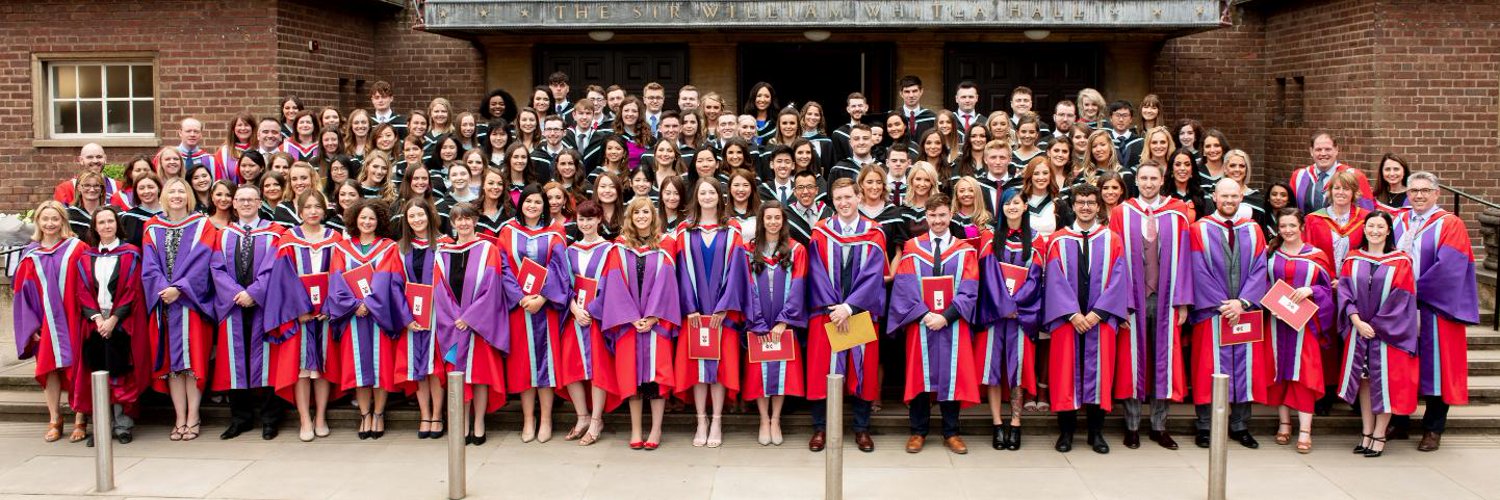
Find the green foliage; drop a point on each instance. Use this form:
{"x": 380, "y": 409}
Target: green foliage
{"x": 115, "y": 171}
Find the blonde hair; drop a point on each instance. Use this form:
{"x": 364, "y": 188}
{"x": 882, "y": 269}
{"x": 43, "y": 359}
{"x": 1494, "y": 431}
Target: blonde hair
{"x": 981, "y": 215}
{"x": 384, "y": 191}
{"x": 1353, "y": 183}
{"x": 1171, "y": 142}
{"x": 924, "y": 168}
{"x": 65, "y": 231}
{"x": 452, "y": 120}
{"x": 1091, "y": 95}
{"x": 192, "y": 201}
{"x": 634, "y": 237}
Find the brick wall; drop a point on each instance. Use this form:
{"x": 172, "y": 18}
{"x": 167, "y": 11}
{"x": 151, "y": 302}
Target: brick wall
{"x": 423, "y": 65}
{"x": 345, "y": 53}
{"x": 198, "y": 44}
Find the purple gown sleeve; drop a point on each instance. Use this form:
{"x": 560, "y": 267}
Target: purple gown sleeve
{"x": 558, "y": 290}
{"x": 26, "y": 310}
{"x": 869, "y": 283}
{"x": 225, "y": 286}
{"x": 793, "y": 309}
{"x": 1324, "y": 322}
{"x": 1061, "y": 295}
{"x": 735, "y": 296}
{"x": 906, "y": 303}
{"x": 285, "y": 298}
{"x": 661, "y": 299}
{"x": 193, "y": 276}
{"x": 483, "y": 314}
{"x": 1448, "y": 283}
{"x": 1114, "y": 301}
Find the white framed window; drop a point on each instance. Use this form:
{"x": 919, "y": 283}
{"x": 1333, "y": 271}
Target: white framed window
{"x": 95, "y": 97}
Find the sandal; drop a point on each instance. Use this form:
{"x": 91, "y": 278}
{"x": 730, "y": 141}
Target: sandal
{"x": 1360, "y": 449}
{"x": 716, "y": 432}
{"x": 54, "y": 431}
{"x": 177, "y": 432}
{"x": 700, "y": 437}
{"x": 1304, "y": 447}
{"x": 80, "y": 433}
{"x": 578, "y": 429}
{"x": 1372, "y": 452}
{"x": 1283, "y": 437}
{"x": 191, "y": 432}
{"x": 590, "y": 436}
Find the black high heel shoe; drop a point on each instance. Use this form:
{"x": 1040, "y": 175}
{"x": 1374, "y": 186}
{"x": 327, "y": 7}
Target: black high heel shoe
{"x": 421, "y": 434}
{"x": 1014, "y": 443}
{"x": 1360, "y": 449}
{"x": 1371, "y": 452}
{"x": 1002, "y": 435}
{"x": 374, "y": 434}
{"x": 438, "y": 433}
{"x": 363, "y": 432}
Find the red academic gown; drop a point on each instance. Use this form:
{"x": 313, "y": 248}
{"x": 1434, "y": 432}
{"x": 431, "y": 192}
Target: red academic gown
{"x": 1304, "y": 183}
{"x": 834, "y": 256}
{"x": 129, "y": 307}
{"x": 1082, "y": 364}
{"x": 48, "y": 327}
{"x": 1447, "y": 299}
{"x": 937, "y": 361}
{"x": 1251, "y": 366}
{"x": 479, "y": 350}
{"x": 713, "y": 276}
{"x": 366, "y": 347}
{"x": 1300, "y": 370}
{"x": 302, "y": 345}
{"x": 1380, "y": 288}
{"x": 182, "y": 333}
{"x": 418, "y": 352}
{"x": 535, "y": 344}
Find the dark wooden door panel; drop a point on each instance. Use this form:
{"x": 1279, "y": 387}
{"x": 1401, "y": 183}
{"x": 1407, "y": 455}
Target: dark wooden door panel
{"x": 1053, "y": 72}
{"x": 629, "y": 66}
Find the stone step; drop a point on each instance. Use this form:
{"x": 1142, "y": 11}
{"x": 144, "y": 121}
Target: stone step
{"x": 27, "y": 406}
{"x": 1484, "y": 363}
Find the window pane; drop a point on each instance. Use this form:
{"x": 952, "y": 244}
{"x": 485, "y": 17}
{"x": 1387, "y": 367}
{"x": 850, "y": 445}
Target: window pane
{"x": 119, "y": 81}
{"x": 89, "y": 83}
{"x": 144, "y": 85}
{"x": 144, "y": 118}
{"x": 66, "y": 113}
{"x": 117, "y": 115}
{"x": 64, "y": 83}
{"x": 90, "y": 117}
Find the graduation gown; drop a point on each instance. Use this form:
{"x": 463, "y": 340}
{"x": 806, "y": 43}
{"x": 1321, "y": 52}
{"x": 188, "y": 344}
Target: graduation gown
{"x": 1447, "y": 299}
{"x": 1081, "y": 364}
{"x": 1320, "y": 230}
{"x": 1250, "y": 366}
{"x": 778, "y": 294}
{"x": 844, "y": 269}
{"x": 937, "y": 361}
{"x": 48, "y": 327}
{"x": 130, "y": 339}
{"x": 639, "y": 283}
{"x": 1149, "y": 363}
{"x": 1304, "y": 184}
{"x": 366, "y": 346}
{"x": 475, "y": 296}
{"x": 242, "y": 355}
{"x": 1300, "y": 367}
{"x": 534, "y": 338}
{"x": 301, "y": 346}
{"x": 713, "y": 276}
{"x": 1381, "y": 289}
{"x": 182, "y": 332}
{"x": 418, "y": 354}
{"x": 1005, "y": 350}
{"x": 585, "y": 356}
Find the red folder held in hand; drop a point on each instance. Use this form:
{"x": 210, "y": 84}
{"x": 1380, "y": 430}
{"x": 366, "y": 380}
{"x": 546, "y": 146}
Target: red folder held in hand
{"x": 1249, "y": 328}
{"x": 779, "y": 348}
{"x": 1014, "y": 276}
{"x": 937, "y": 293}
{"x": 419, "y": 299}
{"x": 702, "y": 339}
{"x": 316, "y": 285}
{"x": 585, "y": 289}
{"x": 531, "y": 276}
{"x": 1278, "y": 301}
{"x": 359, "y": 280}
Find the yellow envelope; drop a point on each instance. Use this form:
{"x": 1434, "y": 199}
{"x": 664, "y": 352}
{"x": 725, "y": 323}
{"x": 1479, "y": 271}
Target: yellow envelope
{"x": 861, "y": 331}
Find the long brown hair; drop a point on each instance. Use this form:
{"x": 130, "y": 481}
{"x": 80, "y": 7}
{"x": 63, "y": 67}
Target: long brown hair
{"x": 781, "y": 250}
{"x": 635, "y": 238}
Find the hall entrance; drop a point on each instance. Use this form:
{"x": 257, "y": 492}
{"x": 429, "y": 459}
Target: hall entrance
{"x": 1053, "y": 72}
{"x": 822, "y": 72}
{"x": 630, "y": 66}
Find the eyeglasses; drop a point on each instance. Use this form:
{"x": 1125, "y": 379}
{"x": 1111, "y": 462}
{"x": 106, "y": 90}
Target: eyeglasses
{"x": 1423, "y": 190}
{"x": 552, "y": 129}
{"x": 804, "y": 186}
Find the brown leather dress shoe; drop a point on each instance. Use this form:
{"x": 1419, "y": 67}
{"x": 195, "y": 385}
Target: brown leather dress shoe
{"x": 956, "y": 445}
{"x": 915, "y": 443}
{"x": 1430, "y": 441}
{"x": 865, "y": 443}
{"x": 819, "y": 439}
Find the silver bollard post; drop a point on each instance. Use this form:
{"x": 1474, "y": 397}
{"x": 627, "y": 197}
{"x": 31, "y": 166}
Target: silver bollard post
{"x": 833, "y": 468}
{"x": 457, "y": 430}
{"x": 1218, "y": 439}
{"x": 104, "y": 445}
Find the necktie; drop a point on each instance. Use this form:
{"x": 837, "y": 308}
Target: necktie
{"x": 243, "y": 255}
{"x": 1150, "y": 229}
{"x": 911, "y": 121}
{"x": 652, "y": 120}
{"x": 782, "y": 198}
{"x": 1318, "y": 190}
{"x": 967, "y": 117}
{"x": 1232, "y": 258}
{"x": 937, "y": 256}
{"x": 1084, "y": 281}
{"x": 896, "y": 192}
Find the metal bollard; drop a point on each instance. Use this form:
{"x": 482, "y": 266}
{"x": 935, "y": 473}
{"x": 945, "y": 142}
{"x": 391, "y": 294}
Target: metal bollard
{"x": 457, "y": 430}
{"x": 833, "y": 465}
{"x": 1218, "y": 439}
{"x": 104, "y": 445}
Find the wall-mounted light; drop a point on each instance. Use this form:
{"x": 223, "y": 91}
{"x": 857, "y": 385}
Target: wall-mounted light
{"x": 601, "y": 35}
{"x": 1037, "y": 34}
{"x": 817, "y": 35}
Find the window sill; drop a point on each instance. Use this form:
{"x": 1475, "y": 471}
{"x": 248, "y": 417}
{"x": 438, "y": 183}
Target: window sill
{"x": 108, "y": 142}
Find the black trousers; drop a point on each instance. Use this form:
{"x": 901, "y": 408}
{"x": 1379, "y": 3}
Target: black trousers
{"x": 920, "y": 411}
{"x": 1435, "y": 419}
{"x": 245, "y": 405}
{"x": 861, "y": 409}
{"x": 1067, "y": 421}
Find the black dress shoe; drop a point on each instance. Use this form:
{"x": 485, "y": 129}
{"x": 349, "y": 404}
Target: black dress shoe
{"x": 1099, "y": 444}
{"x": 268, "y": 432}
{"x": 1002, "y": 434}
{"x": 1132, "y": 439}
{"x": 89, "y": 442}
{"x": 1245, "y": 439}
{"x": 479, "y": 440}
{"x": 1064, "y": 443}
{"x": 1164, "y": 439}
{"x": 125, "y": 437}
{"x": 1014, "y": 442}
{"x": 1201, "y": 439}
{"x": 233, "y": 431}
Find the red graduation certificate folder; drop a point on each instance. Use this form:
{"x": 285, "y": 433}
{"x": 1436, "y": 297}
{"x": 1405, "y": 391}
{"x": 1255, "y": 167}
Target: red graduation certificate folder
{"x": 531, "y": 276}
{"x": 586, "y": 289}
{"x": 1279, "y": 302}
{"x": 937, "y": 293}
{"x": 1014, "y": 276}
{"x": 702, "y": 339}
{"x": 419, "y": 299}
{"x": 359, "y": 280}
{"x": 778, "y": 348}
{"x": 316, "y": 285}
{"x": 1249, "y": 328}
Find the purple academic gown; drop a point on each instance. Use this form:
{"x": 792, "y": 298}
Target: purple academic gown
{"x": 1447, "y": 299}
{"x": 475, "y": 351}
{"x": 189, "y": 273}
{"x": 938, "y": 361}
{"x": 1160, "y": 341}
{"x": 778, "y": 294}
{"x": 714, "y": 275}
{"x": 368, "y": 365}
{"x": 625, "y": 296}
{"x": 244, "y": 352}
{"x": 538, "y": 331}
{"x": 1250, "y": 366}
{"x": 1091, "y": 371}
{"x": 1290, "y": 343}
{"x": 420, "y": 348}
{"x": 1379, "y": 289}
{"x": 1002, "y": 351}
